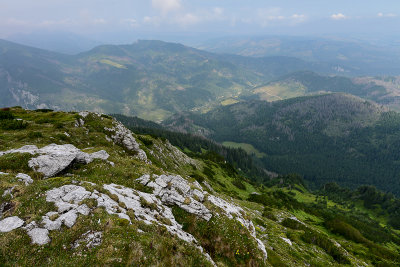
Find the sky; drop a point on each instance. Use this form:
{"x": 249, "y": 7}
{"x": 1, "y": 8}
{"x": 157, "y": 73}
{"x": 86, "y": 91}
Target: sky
{"x": 112, "y": 18}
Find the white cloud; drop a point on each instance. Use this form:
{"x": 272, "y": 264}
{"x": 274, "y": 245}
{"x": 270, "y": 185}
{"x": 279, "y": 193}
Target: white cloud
{"x": 387, "y": 15}
{"x": 51, "y": 23}
{"x": 16, "y": 22}
{"x": 166, "y": 6}
{"x": 218, "y": 11}
{"x": 188, "y": 19}
{"x": 131, "y": 22}
{"x": 298, "y": 17}
{"x": 338, "y": 16}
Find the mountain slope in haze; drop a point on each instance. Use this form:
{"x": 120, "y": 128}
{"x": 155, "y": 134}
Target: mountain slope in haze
{"x": 307, "y": 82}
{"x": 80, "y": 189}
{"x": 151, "y": 79}
{"x": 333, "y": 137}
{"x": 61, "y": 42}
{"x": 352, "y": 57}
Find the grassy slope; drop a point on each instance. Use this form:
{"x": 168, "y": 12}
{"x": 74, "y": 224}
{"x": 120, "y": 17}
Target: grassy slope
{"x": 122, "y": 243}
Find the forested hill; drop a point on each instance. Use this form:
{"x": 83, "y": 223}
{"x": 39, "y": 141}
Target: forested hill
{"x": 332, "y": 137}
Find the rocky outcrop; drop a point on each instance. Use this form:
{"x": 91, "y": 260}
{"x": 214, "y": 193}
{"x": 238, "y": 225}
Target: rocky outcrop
{"x": 55, "y": 158}
{"x": 144, "y": 207}
{"x": 175, "y": 190}
{"x": 122, "y": 136}
{"x": 130, "y": 204}
{"x": 10, "y": 223}
{"x": 165, "y": 152}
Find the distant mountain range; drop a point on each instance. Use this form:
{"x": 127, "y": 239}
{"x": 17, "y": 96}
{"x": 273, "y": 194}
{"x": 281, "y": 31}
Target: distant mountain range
{"x": 350, "y": 56}
{"x": 155, "y": 79}
{"x": 151, "y": 79}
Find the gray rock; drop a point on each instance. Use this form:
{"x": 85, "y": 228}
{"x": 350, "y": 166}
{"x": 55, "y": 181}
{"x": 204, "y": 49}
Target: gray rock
{"x": 10, "y": 223}
{"x": 124, "y": 137}
{"x": 7, "y": 192}
{"x": 3, "y": 173}
{"x": 39, "y": 236}
{"x": 173, "y": 189}
{"x": 55, "y": 158}
{"x": 24, "y": 178}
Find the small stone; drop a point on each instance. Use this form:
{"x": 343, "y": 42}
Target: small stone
{"x": 10, "y": 223}
{"x": 24, "y": 178}
{"x": 287, "y": 240}
{"x": 39, "y": 236}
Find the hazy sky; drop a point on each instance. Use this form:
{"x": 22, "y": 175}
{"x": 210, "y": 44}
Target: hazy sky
{"x": 196, "y": 16}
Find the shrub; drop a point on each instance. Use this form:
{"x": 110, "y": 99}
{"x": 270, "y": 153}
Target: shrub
{"x": 146, "y": 141}
{"x": 58, "y": 125}
{"x": 15, "y": 162}
{"x": 313, "y": 237}
{"x": 6, "y": 115}
{"x": 339, "y": 227}
{"x": 293, "y": 224}
{"x": 239, "y": 184}
{"x": 44, "y": 110}
{"x": 13, "y": 124}
{"x": 34, "y": 135}
{"x": 198, "y": 177}
{"x": 209, "y": 172}
{"x": 62, "y": 137}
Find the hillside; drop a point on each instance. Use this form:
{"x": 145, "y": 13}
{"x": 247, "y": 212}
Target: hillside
{"x": 81, "y": 189}
{"x": 150, "y": 79}
{"x": 382, "y": 90}
{"x": 332, "y": 137}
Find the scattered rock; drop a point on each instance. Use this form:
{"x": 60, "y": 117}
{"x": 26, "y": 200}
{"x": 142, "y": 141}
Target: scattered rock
{"x": 91, "y": 238}
{"x": 10, "y": 223}
{"x": 7, "y": 192}
{"x": 24, "y": 178}
{"x": 55, "y": 158}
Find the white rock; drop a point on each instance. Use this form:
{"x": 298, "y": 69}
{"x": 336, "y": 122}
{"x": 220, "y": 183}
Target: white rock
{"x": 7, "y": 192}
{"x": 24, "y": 178}
{"x": 84, "y": 113}
{"x": 3, "y": 173}
{"x": 10, "y": 223}
{"x": 286, "y": 240}
{"x": 39, "y": 236}
{"x": 124, "y": 137}
{"x": 55, "y": 158}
